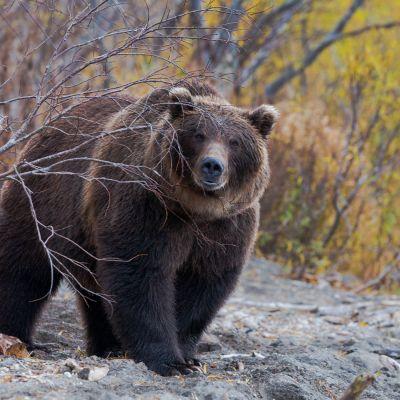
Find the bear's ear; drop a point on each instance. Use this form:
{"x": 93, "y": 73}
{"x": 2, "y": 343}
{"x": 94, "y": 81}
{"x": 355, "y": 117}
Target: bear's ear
{"x": 180, "y": 100}
{"x": 264, "y": 118}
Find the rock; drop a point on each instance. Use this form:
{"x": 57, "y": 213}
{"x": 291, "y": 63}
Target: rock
{"x": 208, "y": 343}
{"x": 12, "y": 346}
{"x": 93, "y": 374}
{"x": 218, "y": 390}
{"x": 335, "y": 320}
{"x": 240, "y": 366}
{"x": 389, "y": 363}
{"x": 258, "y": 355}
{"x": 71, "y": 364}
{"x": 370, "y": 362}
{"x": 338, "y": 311}
{"x": 393, "y": 353}
{"x": 348, "y": 342}
{"x": 284, "y": 341}
{"x": 284, "y": 387}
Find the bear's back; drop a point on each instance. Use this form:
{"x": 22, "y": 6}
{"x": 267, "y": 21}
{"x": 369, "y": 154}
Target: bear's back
{"x": 65, "y": 145}
{"x": 79, "y": 124}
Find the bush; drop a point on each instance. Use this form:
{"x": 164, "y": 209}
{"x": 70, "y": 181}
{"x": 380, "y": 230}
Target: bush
{"x": 324, "y": 208}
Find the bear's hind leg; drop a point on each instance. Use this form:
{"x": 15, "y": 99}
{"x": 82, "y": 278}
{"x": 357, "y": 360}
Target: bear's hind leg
{"x": 100, "y": 339}
{"x": 24, "y": 288}
{"x": 26, "y": 278}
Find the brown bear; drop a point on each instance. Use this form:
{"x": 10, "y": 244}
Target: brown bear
{"x": 147, "y": 207}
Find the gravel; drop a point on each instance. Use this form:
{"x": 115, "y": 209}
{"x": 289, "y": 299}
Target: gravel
{"x": 275, "y": 339}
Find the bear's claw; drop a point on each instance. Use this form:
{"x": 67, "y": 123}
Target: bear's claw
{"x": 176, "y": 369}
{"x": 193, "y": 361}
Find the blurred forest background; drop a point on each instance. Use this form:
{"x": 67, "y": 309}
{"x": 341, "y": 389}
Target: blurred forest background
{"x": 331, "y": 68}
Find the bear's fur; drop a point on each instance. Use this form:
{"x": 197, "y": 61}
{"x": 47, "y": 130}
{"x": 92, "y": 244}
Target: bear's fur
{"x": 149, "y": 210}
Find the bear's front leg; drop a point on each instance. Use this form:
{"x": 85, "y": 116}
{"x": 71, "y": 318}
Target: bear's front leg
{"x": 199, "y": 297}
{"x": 210, "y": 274}
{"x": 142, "y": 313}
{"x": 138, "y": 268}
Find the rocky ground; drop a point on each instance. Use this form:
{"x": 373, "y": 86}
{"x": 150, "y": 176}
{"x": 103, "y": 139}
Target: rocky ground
{"x": 277, "y": 339}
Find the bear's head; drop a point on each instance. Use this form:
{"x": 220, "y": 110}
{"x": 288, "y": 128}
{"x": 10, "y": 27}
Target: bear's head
{"x": 215, "y": 154}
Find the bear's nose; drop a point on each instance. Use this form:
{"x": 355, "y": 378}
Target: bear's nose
{"x": 212, "y": 167}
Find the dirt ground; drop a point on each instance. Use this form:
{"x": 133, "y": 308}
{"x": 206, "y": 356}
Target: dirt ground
{"x": 274, "y": 339}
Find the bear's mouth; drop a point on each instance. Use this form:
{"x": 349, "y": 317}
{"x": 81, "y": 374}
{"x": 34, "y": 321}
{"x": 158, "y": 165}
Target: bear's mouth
{"x": 207, "y": 185}
{"x": 210, "y": 186}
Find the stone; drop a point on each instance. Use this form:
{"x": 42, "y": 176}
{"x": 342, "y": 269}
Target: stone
{"x": 284, "y": 387}
{"x": 93, "y": 374}
{"x": 208, "y": 343}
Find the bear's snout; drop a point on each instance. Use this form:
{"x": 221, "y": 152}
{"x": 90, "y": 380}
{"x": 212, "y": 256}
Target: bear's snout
{"x": 212, "y": 169}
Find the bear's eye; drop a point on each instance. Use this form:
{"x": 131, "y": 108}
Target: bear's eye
{"x": 234, "y": 142}
{"x": 200, "y": 137}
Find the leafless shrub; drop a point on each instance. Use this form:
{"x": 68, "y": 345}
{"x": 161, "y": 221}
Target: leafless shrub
{"x": 57, "y": 54}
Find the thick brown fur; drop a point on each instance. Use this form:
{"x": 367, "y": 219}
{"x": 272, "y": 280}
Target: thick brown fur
{"x": 151, "y": 239}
